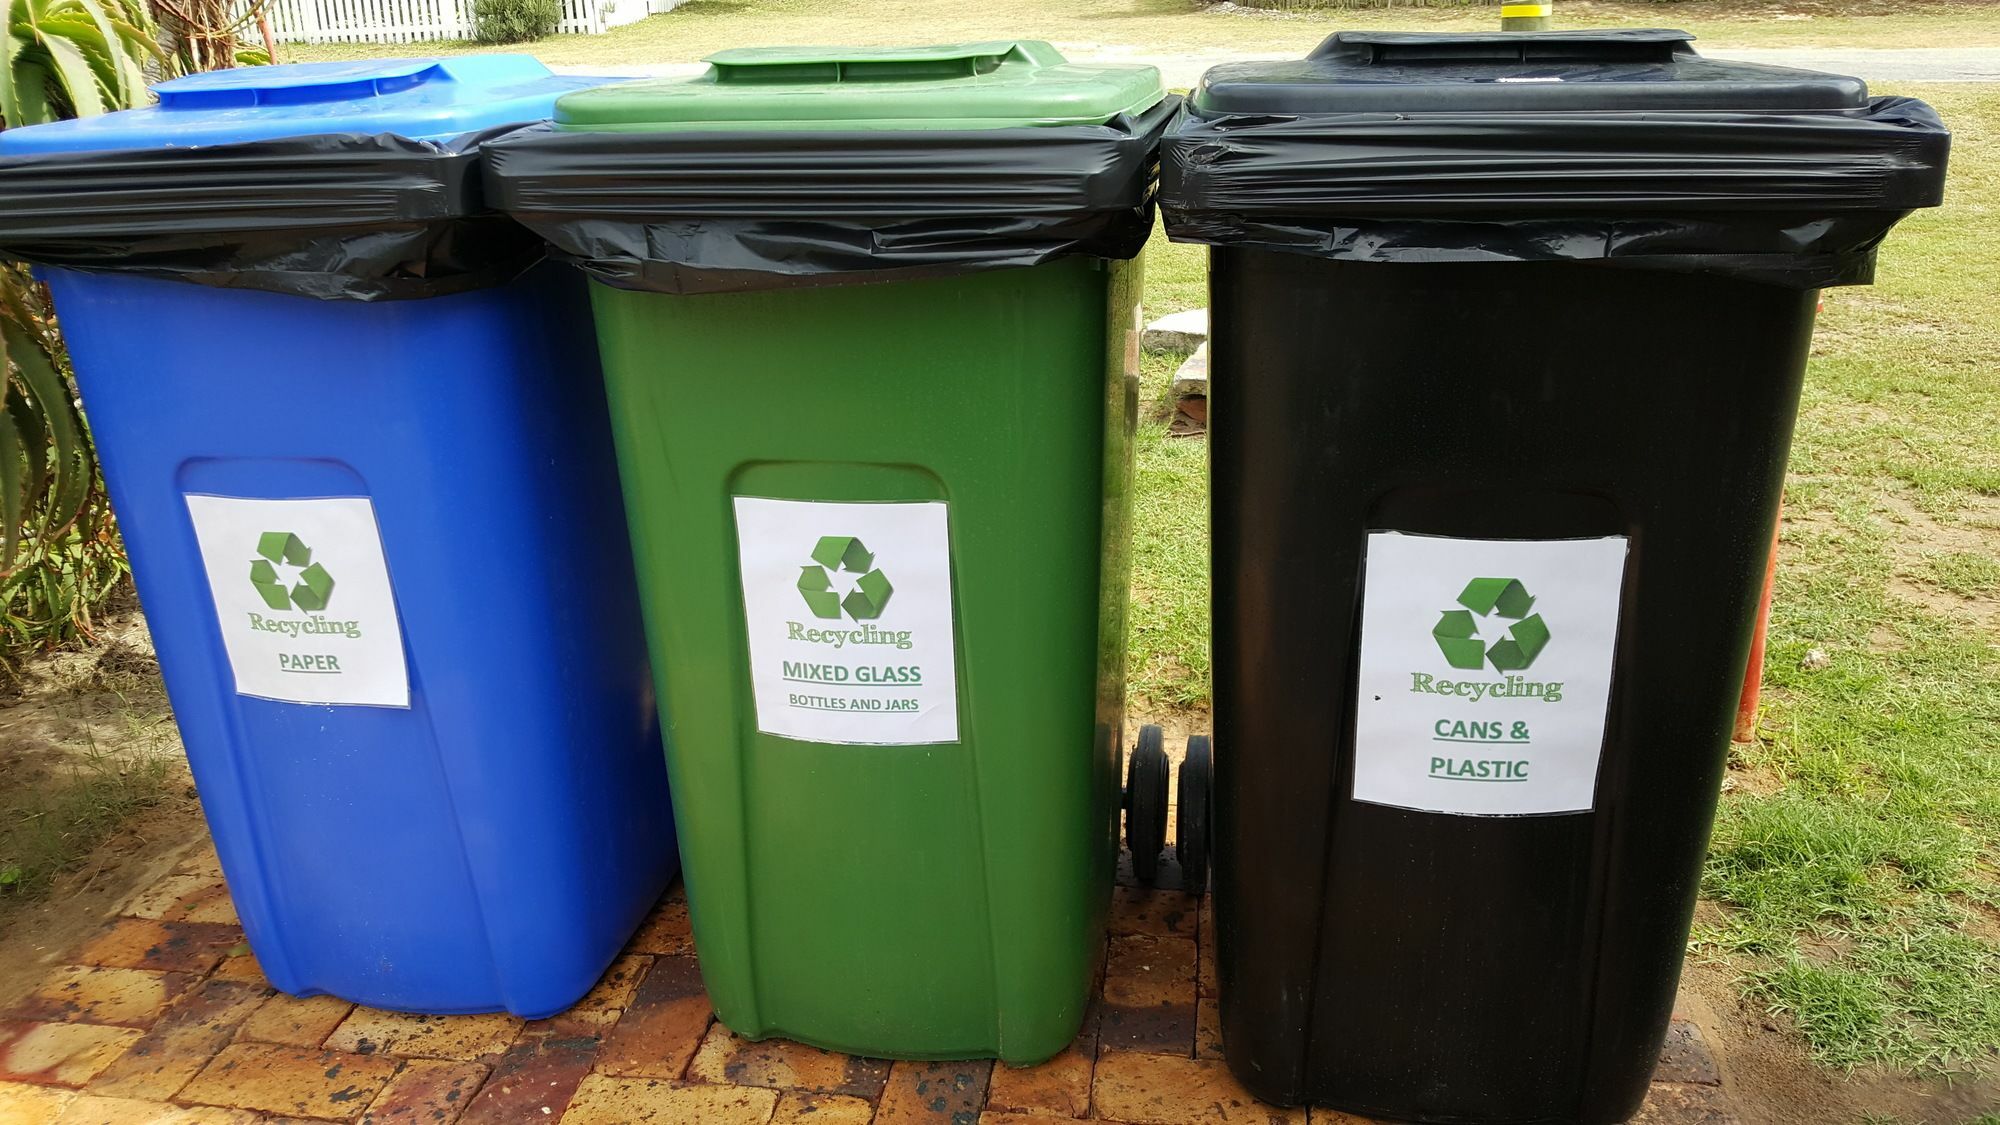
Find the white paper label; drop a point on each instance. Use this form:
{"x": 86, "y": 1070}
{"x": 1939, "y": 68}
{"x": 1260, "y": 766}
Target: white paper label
{"x": 303, "y": 599}
{"x": 849, "y": 613}
{"x": 1485, "y": 672}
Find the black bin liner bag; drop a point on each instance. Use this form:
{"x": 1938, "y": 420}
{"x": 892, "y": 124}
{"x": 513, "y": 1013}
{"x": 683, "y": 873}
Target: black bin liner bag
{"x": 1800, "y": 199}
{"x": 335, "y": 216}
{"x": 699, "y": 211}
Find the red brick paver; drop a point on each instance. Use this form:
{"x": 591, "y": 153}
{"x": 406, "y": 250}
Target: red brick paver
{"x": 96, "y": 1109}
{"x": 728, "y": 1059}
{"x": 295, "y": 1021}
{"x": 1147, "y": 1089}
{"x": 823, "y": 1109}
{"x": 668, "y": 930}
{"x": 934, "y": 1093}
{"x": 1149, "y": 994}
{"x": 664, "y": 1025}
{"x": 426, "y": 1092}
{"x": 1057, "y": 1088}
{"x": 162, "y": 1019}
{"x": 371, "y": 1031}
{"x": 292, "y": 1080}
{"x": 604, "y": 1100}
{"x": 59, "y": 1054}
{"x": 534, "y": 1080}
{"x": 149, "y": 943}
{"x": 186, "y": 896}
{"x": 92, "y": 994}
{"x": 192, "y": 1031}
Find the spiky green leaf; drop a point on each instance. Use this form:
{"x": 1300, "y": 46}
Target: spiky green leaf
{"x": 12, "y": 494}
{"x": 71, "y": 67}
{"x": 71, "y": 471}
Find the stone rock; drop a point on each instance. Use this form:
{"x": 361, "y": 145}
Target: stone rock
{"x": 1192, "y": 378}
{"x": 1176, "y": 332}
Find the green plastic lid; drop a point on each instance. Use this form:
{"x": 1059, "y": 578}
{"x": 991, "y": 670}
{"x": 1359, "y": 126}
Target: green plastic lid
{"x": 963, "y": 86}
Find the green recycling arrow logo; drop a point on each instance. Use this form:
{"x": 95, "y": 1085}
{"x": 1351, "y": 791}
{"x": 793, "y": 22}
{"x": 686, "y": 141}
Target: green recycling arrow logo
{"x": 1496, "y": 604}
{"x": 845, "y": 555}
{"x": 315, "y": 585}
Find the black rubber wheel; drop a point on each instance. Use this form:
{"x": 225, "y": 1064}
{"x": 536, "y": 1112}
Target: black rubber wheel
{"x": 1191, "y": 828}
{"x": 1146, "y": 803}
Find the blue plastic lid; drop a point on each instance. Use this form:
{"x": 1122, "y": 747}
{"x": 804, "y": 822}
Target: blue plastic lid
{"x": 424, "y": 99}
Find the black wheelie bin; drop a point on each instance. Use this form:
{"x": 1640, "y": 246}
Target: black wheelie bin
{"x": 1508, "y": 337}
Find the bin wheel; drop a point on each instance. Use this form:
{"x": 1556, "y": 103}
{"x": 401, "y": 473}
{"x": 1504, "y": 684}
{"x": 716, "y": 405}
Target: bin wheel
{"x": 1146, "y": 803}
{"x": 1191, "y": 830}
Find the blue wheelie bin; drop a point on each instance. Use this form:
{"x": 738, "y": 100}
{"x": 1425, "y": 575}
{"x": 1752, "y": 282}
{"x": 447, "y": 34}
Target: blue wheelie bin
{"x": 356, "y": 439}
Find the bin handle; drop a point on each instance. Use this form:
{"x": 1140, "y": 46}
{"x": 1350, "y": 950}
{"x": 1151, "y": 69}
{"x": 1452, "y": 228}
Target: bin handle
{"x": 1625, "y": 45}
{"x": 245, "y": 87}
{"x": 888, "y": 64}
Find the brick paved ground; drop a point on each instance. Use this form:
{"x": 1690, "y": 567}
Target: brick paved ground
{"x": 161, "y": 1018}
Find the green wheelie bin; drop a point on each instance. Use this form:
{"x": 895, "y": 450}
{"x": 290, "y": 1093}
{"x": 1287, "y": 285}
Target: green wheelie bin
{"x": 869, "y": 321}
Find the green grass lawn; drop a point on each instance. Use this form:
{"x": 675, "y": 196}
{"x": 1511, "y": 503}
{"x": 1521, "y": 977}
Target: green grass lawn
{"x": 1169, "y": 645}
{"x": 703, "y": 26}
{"x": 1860, "y": 866}
{"x": 1856, "y": 861}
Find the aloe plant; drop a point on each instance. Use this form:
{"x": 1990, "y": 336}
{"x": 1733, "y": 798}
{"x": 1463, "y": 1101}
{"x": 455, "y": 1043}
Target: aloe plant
{"x": 46, "y": 467}
{"x": 74, "y": 58}
{"x": 59, "y": 550}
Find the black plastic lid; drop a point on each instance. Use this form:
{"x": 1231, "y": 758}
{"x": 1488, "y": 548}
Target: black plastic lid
{"x": 1651, "y": 69}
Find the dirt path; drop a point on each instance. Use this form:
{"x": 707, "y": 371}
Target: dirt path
{"x": 35, "y": 935}
{"x": 1770, "y": 1081}
{"x": 71, "y": 717}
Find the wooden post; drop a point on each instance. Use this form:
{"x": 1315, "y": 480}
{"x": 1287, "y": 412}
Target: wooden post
{"x": 270, "y": 39}
{"x": 1525, "y": 15}
{"x": 1753, "y": 672}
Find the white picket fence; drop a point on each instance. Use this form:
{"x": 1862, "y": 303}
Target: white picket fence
{"x": 415, "y": 21}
